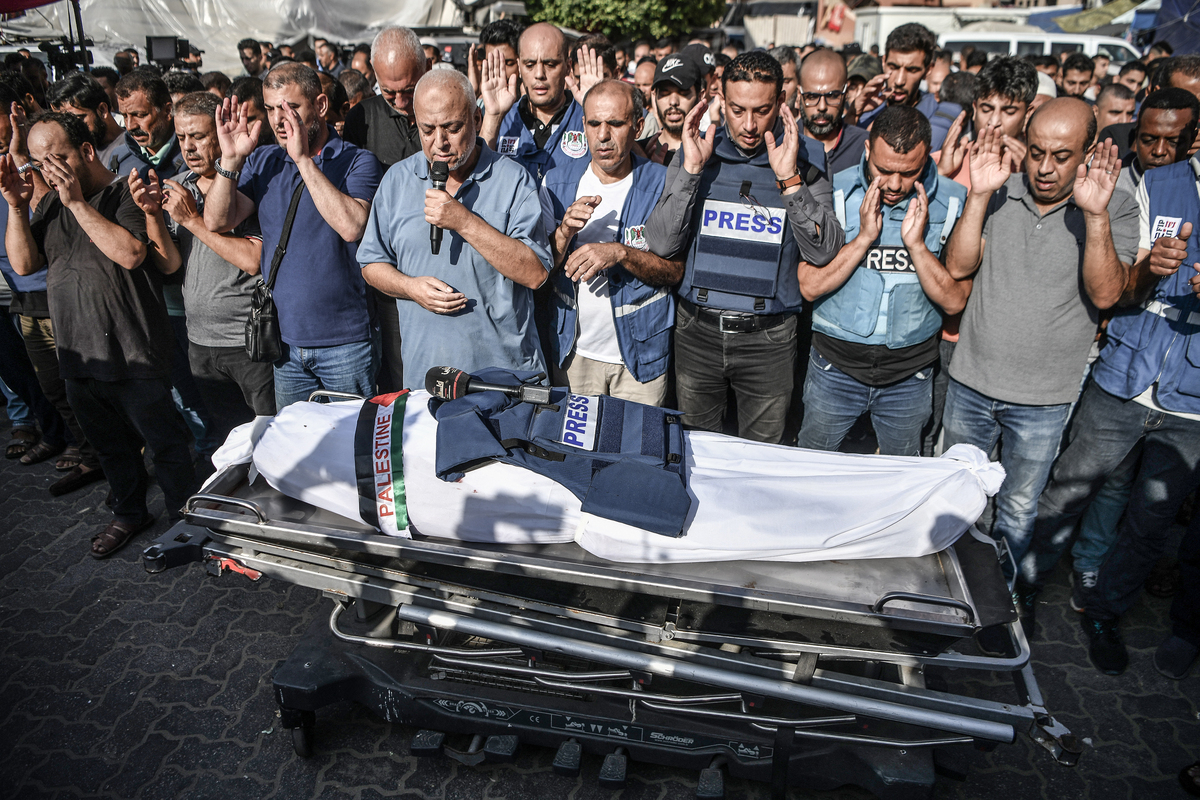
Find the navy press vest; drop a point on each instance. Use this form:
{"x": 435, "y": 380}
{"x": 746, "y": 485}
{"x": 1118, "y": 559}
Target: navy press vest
{"x": 643, "y": 315}
{"x": 743, "y": 256}
{"x": 882, "y": 302}
{"x": 566, "y": 145}
{"x": 1160, "y": 342}
{"x": 623, "y": 460}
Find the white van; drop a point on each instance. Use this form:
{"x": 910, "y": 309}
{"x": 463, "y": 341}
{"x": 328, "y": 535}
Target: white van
{"x": 1037, "y": 44}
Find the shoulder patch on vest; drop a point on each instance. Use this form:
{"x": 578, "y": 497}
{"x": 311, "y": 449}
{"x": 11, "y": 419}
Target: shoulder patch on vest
{"x": 1165, "y": 226}
{"x": 635, "y": 236}
{"x": 574, "y": 144}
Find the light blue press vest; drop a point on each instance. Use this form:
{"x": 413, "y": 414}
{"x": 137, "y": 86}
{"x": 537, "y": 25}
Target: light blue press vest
{"x": 883, "y": 303}
{"x": 565, "y": 146}
{"x": 643, "y": 315}
{"x": 1160, "y": 342}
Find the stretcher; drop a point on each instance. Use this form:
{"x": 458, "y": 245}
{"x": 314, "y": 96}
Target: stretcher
{"x": 817, "y": 674}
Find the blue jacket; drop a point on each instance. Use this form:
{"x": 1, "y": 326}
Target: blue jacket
{"x": 643, "y": 315}
{"x": 940, "y": 115}
{"x": 623, "y": 460}
{"x": 128, "y": 156}
{"x": 743, "y": 256}
{"x": 1160, "y": 342}
{"x": 18, "y": 283}
{"x": 567, "y": 145}
{"x": 882, "y": 302}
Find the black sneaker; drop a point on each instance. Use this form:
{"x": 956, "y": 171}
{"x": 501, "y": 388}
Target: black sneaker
{"x": 1025, "y": 598}
{"x": 1106, "y": 650}
{"x": 1081, "y": 589}
{"x": 1174, "y": 657}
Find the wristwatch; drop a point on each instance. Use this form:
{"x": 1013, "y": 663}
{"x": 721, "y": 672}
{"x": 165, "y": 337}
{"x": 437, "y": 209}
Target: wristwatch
{"x": 224, "y": 173}
{"x": 795, "y": 180}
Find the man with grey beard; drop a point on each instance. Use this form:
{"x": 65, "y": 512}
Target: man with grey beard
{"x": 821, "y": 99}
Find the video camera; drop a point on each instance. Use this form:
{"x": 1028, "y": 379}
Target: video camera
{"x": 64, "y": 55}
{"x": 166, "y": 51}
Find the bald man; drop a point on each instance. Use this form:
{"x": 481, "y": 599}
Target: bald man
{"x": 471, "y": 305}
{"x": 1048, "y": 249}
{"x": 384, "y": 123}
{"x": 544, "y": 127}
{"x": 821, "y": 98}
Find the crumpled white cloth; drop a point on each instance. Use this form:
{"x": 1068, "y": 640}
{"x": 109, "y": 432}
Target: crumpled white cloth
{"x": 750, "y": 500}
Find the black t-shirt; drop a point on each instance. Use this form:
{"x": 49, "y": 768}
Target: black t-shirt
{"x": 376, "y": 126}
{"x": 110, "y": 323}
{"x": 876, "y": 364}
{"x": 541, "y": 130}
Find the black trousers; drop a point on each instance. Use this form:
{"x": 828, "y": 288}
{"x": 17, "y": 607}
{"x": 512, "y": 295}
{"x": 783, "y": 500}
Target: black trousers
{"x": 234, "y": 388}
{"x": 117, "y": 417}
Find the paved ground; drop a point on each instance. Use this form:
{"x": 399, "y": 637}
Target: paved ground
{"x": 119, "y": 684}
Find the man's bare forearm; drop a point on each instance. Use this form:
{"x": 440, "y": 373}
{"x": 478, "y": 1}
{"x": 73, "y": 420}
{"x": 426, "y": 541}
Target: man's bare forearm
{"x": 513, "y": 259}
{"x": 817, "y": 281}
{"x": 1105, "y": 276}
{"x": 22, "y": 249}
{"x": 964, "y": 251}
{"x": 944, "y": 291}
{"x": 243, "y": 253}
{"x": 651, "y": 269}
{"x": 164, "y": 255}
{"x": 345, "y": 214}
{"x": 116, "y": 243}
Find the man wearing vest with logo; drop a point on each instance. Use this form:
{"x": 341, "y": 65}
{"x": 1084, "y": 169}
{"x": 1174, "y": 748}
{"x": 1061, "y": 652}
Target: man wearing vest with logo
{"x": 1146, "y": 387}
{"x": 878, "y": 305}
{"x": 544, "y": 128}
{"x": 907, "y": 57}
{"x": 613, "y": 306}
{"x": 744, "y": 206}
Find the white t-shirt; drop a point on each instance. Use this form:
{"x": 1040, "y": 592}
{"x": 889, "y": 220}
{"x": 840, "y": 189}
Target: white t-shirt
{"x": 597, "y": 338}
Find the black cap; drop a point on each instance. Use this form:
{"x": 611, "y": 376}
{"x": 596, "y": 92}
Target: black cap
{"x": 702, "y": 56}
{"x": 677, "y": 70}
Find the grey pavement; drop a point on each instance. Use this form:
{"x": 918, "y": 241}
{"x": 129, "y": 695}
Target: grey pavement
{"x": 119, "y": 684}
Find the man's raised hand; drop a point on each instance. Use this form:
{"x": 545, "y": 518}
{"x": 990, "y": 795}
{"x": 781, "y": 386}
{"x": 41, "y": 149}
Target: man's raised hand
{"x": 990, "y": 164}
{"x": 499, "y": 91}
{"x": 784, "y": 156}
{"x": 237, "y": 135}
{"x": 16, "y": 187}
{"x": 1094, "y": 187}
{"x": 697, "y": 149}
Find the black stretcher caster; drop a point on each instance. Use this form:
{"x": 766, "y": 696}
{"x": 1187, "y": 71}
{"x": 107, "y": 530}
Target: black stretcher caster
{"x": 302, "y": 741}
{"x": 427, "y": 743}
{"x": 711, "y": 785}
{"x": 301, "y": 724}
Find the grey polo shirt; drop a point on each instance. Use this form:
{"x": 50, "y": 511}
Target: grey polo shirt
{"x": 496, "y": 328}
{"x": 1029, "y": 324}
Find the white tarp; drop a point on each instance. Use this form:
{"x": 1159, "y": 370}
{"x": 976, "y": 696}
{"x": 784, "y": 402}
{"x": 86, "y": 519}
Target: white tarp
{"x": 749, "y": 500}
{"x": 216, "y": 26}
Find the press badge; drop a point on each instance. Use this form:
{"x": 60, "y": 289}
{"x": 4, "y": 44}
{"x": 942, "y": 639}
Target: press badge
{"x": 1165, "y": 226}
{"x": 581, "y": 421}
{"x": 738, "y": 221}
{"x": 507, "y": 145}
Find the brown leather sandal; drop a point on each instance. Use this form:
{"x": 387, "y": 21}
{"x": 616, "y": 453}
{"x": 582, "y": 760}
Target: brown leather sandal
{"x": 68, "y": 459}
{"x": 117, "y": 535}
{"x": 21, "y": 442}
{"x": 40, "y": 452}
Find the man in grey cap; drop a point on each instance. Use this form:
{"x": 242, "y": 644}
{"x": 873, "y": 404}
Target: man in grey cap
{"x": 676, "y": 90}
{"x": 859, "y": 72}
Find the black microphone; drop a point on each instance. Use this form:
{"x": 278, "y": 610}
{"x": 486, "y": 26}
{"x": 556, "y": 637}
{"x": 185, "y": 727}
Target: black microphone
{"x": 448, "y": 383}
{"x": 439, "y": 173}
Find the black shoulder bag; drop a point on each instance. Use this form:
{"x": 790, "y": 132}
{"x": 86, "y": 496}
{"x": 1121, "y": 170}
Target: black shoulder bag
{"x": 263, "y": 342}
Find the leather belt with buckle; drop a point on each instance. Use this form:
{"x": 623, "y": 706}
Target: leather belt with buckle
{"x": 734, "y": 321}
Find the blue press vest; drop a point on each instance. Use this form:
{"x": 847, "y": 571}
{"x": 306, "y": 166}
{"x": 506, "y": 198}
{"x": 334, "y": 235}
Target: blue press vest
{"x": 643, "y": 315}
{"x": 623, "y": 460}
{"x": 940, "y": 115}
{"x": 883, "y": 302}
{"x": 740, "y": 259}
{"x": 565, "y": 146}
{"x": 1160, "y": 342}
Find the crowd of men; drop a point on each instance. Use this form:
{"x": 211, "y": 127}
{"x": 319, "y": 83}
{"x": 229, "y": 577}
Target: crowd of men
{"x": 999, "y": 252}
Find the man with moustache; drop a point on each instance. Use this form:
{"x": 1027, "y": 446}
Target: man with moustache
{"x": 743, "y": 206}
{"x": 471, "y": 305}
{"x": 149, "y": 127}
{"x": 612, "y": 302}
{"x": 877, "y": 307}
{"x": 543, "y": 128}
{"x": 320, "y": 296}
{"x": 822, "y": 96}
{"x": 677, "y": 88}
{"x": 1048, "y": 249}
{"x": 218, "y": 280}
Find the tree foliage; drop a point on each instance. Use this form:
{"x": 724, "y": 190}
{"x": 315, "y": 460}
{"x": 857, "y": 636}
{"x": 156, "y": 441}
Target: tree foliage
{"x": 628, "y": 19}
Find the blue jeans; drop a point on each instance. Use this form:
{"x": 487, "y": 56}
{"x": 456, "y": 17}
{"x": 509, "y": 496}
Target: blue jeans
{"x": 833, "y": 401}
{"x": 346, "y": 368}
{"x": 1029, "y": 437}
{"x": 1098, "y": 528}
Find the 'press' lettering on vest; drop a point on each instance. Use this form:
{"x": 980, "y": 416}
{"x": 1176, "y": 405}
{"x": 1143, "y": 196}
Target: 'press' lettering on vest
{"x": 1165, "y": 226}
{"x": 890, "y": 259}
{"x": 739, "y": 221}
{"x": 580, "y": 422}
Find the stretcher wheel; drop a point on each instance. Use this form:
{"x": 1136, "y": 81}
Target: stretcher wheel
{"x": 302, "y": 741}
